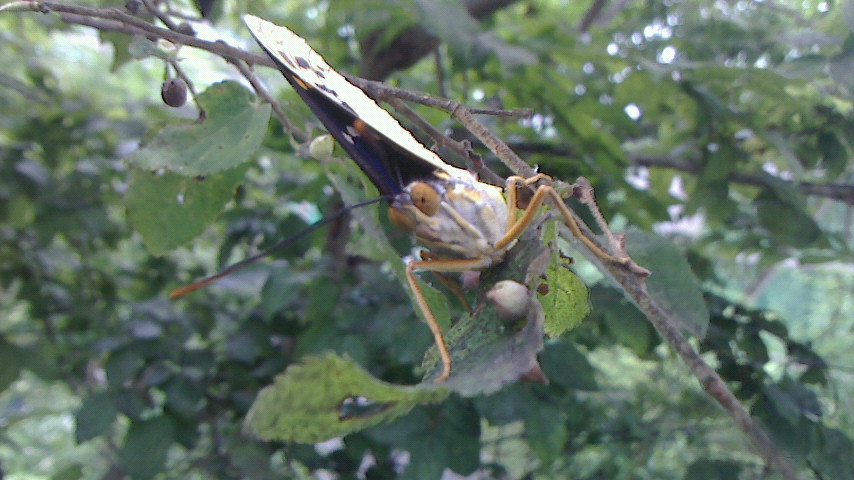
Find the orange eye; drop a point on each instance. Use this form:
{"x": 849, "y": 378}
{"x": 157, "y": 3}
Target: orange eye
{"x": 425, "y": 198}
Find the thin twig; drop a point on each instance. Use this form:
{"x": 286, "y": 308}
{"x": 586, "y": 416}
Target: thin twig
{"x": 274, "y": 104}
{"x": 463, "y": 149}
{"x": 163, "y": 17}
{"x": 492, "y": 142}
{"x": 186, "y": 78}
{"x": 840, "y": 192}
{"x": 711, "y": 382}
{"x": 380, "y": 90}
{"x": 440, "y": 71}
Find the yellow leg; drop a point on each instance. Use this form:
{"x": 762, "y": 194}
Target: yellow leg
{"x": 517, "y": 227}
{"x": 442, "y": 266}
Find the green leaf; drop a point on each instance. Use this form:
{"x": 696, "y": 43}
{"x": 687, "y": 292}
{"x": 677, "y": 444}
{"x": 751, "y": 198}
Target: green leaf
{"x": 842, "y": 65}
{"x": 452, "y": 23}
{"x": 454, "y": 443}
{"x": 834, "y": 156}
{"x": 169, "y": 210}
{"x": 11, "y": 362}
{"x": 234, "y": 126}
{"x": 71, "y": 472}
{"x": 565, "y": 365}
{"x": 788, "y": 434}
{"x": 788, "y": 224}
{"x": 832, "y": 453}
{"x": 183, "y": 397}
{"x": 437, "y": 437}
{"x": 122, "y": 365}
{"x": 712, "y": 470}
{"x": 545, "y": 429}
{"x": 121, "y": 44}
{"x": 327, "y": 397}
{"x": 672, "y": 283}
{"x": 95, "y": 416}
{"x": 567, "y": 301}
{"x": 803, "y": 67}
{"x": 848, "y": 14}
{"x": 145, "y": 447}
{"x": 282, "y": 287}
{"x": 489, "y": 348}
{"x": 629, "y": 327}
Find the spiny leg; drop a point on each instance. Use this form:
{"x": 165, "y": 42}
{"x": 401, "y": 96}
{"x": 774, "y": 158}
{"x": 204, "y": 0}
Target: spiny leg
{"x": 441, "y": 266}
{"x": 517, "y": 227}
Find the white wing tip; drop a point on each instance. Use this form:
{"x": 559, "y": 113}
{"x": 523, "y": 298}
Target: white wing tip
{"x": 253, "y": 22}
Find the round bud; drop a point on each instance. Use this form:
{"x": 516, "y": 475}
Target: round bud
{"x": 321, "y": 147}
{"x": 133, "y": 6}
{"x": 174, "y": 92}
{"x": 186, "y": 29}
{"x": 510, "y": 298}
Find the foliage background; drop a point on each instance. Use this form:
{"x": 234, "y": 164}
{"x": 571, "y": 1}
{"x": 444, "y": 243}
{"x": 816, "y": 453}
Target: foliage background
{"x": 740, "y": 155}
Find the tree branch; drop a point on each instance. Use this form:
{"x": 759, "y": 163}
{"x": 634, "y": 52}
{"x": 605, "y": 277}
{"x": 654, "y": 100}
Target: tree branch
{"x": 839, "y": 192}
{"x": 413, "y": 43}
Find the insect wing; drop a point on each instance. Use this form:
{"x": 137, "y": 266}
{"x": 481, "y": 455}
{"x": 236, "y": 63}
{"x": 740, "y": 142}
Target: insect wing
{"x": 388, "y": 153}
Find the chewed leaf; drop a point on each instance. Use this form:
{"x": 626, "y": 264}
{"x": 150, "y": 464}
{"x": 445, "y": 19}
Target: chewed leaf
{"x": 169, "y": 210}
{"x": 566, "y": 301}
{"x": 233, "y": 129}
{"x": 327, "y": 397}
{"x": 672, "y": 283}
{"x": 488, "y": 351}
{"x": 498, "y": 342}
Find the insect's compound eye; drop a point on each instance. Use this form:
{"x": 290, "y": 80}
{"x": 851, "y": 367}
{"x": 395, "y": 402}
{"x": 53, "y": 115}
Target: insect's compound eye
{"x": 425, "y": 198}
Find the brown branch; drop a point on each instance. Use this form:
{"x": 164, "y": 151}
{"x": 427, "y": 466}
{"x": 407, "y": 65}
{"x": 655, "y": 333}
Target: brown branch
{"x": 250, "y": 76}
{"x": 413, "y": 43}
{"x": 190, "y": 86}
{"x": 119, "y": 21}
{"x": 591, "y": 15}
{"x": 711, "y": 382}
{"x": 839, "y": 192}
{"x": 381, "y": 91}
{"x": 462, "y": 149}
{"x": 162, "y": 16}
{"x": 440, "y": 72}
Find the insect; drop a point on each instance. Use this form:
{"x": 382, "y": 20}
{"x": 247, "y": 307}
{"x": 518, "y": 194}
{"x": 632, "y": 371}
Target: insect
{"x": 465, "y": 224}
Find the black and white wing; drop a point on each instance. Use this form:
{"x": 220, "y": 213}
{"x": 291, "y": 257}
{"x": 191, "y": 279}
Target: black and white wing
{"x": 388, "y": 153}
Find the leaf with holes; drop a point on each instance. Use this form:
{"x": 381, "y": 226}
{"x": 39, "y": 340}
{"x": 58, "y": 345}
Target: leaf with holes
{"x": 233, "y": 128}
{"x": 169, "y": 210}
{"x": 327, "y": 397}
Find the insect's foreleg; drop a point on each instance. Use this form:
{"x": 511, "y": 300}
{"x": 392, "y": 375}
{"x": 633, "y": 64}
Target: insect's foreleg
{"x": 517, "y": 227}
{"x": 442, "y": 266}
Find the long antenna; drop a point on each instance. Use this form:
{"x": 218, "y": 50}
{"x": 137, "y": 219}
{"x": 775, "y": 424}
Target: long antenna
{"x": 187, "y": 289}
